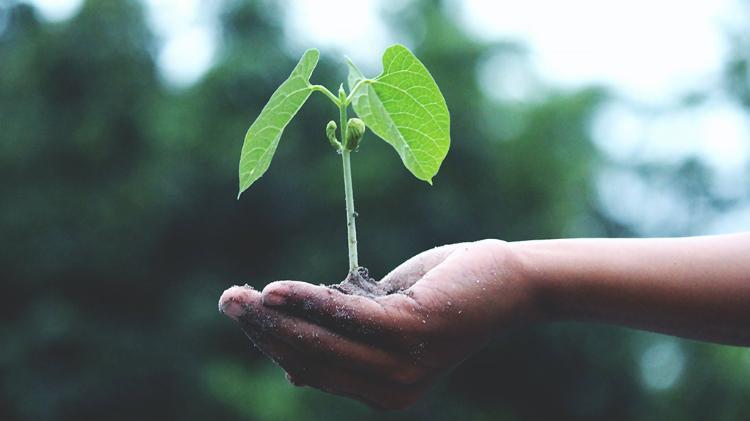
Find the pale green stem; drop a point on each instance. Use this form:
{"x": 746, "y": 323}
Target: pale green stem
{"x": 351, "y": 215}
{"x": 354, "y": 89}
{"x": 329, "y": 94}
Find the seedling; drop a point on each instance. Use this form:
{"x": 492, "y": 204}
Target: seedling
{"x": 403, "y": 106}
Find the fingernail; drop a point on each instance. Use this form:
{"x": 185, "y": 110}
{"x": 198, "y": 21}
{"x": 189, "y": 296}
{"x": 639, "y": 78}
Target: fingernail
{"x": 232, "y": 302}
{"x": 273, "y": 299}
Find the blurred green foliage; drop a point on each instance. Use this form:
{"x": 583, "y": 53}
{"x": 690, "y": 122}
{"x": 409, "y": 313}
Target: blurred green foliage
{"x": 119, "y": 229}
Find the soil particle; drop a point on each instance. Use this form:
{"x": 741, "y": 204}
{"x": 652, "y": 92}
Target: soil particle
{"x": 359, "y": 282}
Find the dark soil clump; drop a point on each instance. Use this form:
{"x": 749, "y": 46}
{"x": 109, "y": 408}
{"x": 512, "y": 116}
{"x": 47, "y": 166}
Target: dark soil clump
{"x": 358, "y": 282}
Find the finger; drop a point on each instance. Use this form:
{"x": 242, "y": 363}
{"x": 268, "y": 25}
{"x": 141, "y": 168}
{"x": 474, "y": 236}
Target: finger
{"x": 412, "y": 270}
{"x": 356, "y": 315}
{"x": 443, "y": 289}
{"x": 438, "y": 284}
{"x": 383, "y": 320}
{"x": 466, "y": 262}
{"x": 314, "y": 340}
{"x": 303, "y": 370}
{"x": 235, "y": 300}
{"x": 324, "y": 345}
{"x": 378, "y": 394}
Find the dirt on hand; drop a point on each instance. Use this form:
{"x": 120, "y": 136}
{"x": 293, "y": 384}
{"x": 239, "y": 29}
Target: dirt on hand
{"x": 359, "y": 282}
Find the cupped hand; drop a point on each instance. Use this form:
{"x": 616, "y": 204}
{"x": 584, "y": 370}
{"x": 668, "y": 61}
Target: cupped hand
{"x": 388, "y": 350}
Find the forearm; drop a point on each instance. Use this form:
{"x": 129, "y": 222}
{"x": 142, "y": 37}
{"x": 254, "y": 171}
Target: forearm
{"x": 697, "y": 287}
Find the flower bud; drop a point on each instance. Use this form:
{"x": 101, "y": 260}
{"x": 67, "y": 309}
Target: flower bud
{"x": 331, "y": 134}
{"x": 354, "y": 131}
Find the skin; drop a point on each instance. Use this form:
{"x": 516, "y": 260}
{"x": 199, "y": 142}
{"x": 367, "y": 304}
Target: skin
{"x": 387, "y": 351}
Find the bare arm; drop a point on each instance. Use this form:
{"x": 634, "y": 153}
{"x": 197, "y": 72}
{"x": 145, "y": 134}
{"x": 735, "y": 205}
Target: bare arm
{"x": 388, "y": 350}
{"x": 696, "y": 287}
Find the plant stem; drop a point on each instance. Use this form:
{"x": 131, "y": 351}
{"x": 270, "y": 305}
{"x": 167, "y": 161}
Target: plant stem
{"x": 351, "y": 215}
{"x": 354, "y": 89}
{"x": 326, "y": 92}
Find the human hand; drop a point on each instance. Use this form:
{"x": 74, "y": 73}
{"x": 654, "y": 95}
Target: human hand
{"x": 387, "y": 351}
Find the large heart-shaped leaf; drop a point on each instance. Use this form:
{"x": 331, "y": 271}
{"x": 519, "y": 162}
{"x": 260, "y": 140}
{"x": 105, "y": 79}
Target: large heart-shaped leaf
{"x": 263, "y": 136}
{"x": 405, "y": 108}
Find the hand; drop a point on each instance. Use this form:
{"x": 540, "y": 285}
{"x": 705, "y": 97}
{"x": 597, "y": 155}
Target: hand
{"x": 387, "y": 351}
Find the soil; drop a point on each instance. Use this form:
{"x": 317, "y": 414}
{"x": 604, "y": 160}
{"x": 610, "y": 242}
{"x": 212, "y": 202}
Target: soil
{"x": 359, "y": 282}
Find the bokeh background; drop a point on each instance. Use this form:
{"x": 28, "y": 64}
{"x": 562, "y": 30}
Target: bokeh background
{"x": 121, "y": 124}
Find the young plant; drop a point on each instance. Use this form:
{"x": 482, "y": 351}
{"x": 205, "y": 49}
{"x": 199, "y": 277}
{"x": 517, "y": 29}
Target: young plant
{"x": 403, "y": 106}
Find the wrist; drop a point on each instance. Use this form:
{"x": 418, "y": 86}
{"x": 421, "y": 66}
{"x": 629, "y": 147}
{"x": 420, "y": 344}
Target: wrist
{"x": 519, "y": 294}
{"x": 533, "y": 260}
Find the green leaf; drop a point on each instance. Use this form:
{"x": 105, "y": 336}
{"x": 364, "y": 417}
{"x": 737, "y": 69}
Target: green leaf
{"x": 405, "y": 108}
{"x": 263, "y": 136}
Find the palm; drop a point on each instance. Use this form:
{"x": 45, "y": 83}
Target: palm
{"x": 449, "y": 301}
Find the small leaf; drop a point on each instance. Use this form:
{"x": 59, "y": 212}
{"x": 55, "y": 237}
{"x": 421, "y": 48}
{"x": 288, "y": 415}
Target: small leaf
{"x": 263, "y": 136}
{"x": 331, "y": 135}
{"x": 355, "y": 129}
{"x": 405, "y": 108}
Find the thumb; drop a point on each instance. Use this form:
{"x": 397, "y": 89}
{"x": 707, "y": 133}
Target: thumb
{"x": 412, "y": 270}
